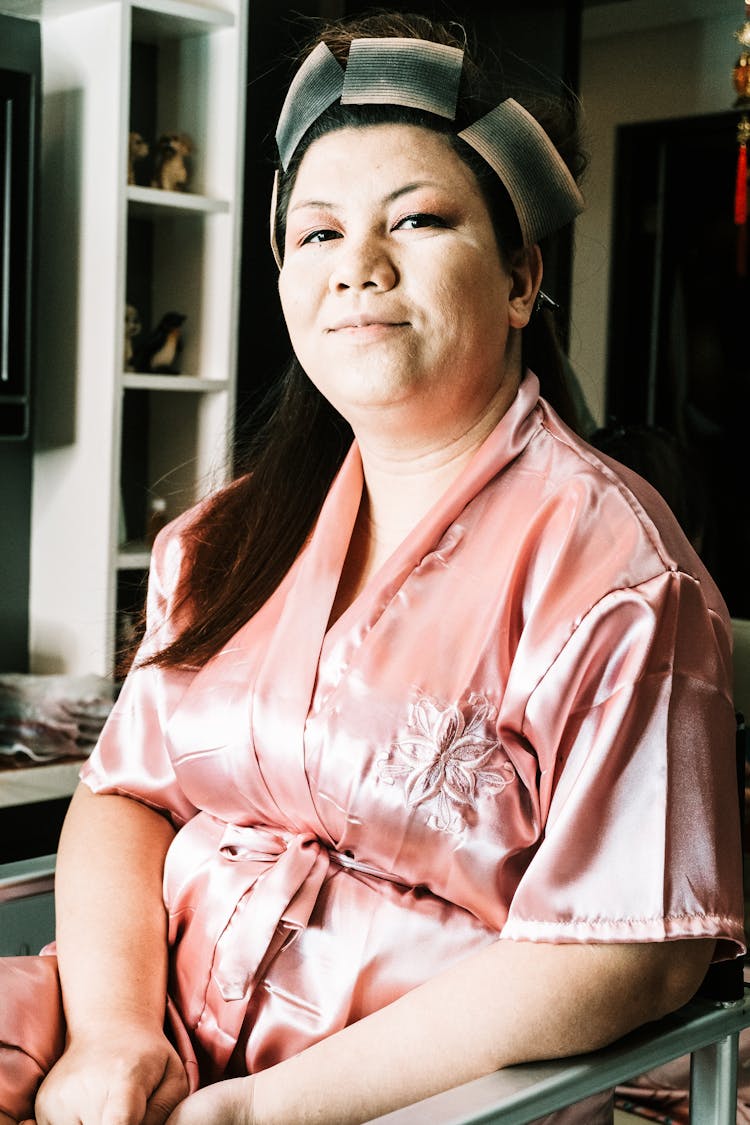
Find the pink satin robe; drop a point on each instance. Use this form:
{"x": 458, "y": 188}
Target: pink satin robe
{"x": 522, "y": 728}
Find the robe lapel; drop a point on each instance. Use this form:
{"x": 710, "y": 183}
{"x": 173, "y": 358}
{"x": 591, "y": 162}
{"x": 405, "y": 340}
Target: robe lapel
{"x": 286, "y": 681}
{"x": 259, "y": 685}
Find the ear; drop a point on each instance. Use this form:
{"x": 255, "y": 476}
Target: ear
{"x": 526, "y": 272}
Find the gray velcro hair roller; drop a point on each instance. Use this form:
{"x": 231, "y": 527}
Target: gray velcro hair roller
{"x": 542, "y": 190}
{"x": 426, "y": 76}
{"x": 317, "y": 84}
{"x": 408, "y": 72}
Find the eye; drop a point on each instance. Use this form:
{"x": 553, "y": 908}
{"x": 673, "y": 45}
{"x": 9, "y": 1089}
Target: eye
{"x": 419, "y": 219}
{"x": 319, "y": 236}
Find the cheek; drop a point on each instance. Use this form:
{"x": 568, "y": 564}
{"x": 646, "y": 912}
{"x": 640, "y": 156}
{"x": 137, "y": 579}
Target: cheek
{"x": 286, "y": 291}
{"x": 293, "y": 307}
{"x": 465, "y": 276}
{"x": 301, "y": 292}
{"x": 461, "y": 298}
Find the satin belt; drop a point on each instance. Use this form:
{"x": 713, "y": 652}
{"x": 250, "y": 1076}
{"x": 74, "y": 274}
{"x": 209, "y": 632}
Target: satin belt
{"x": 282, "y": 898}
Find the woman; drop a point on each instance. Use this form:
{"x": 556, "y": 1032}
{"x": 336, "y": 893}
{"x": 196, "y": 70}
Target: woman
{"x": 406, "y": 750}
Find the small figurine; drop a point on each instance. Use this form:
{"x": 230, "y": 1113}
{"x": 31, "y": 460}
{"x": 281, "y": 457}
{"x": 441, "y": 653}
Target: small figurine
{"x": 132, "y": 328}
{"x": 172, "y": 162}
{"x": 137, "y": 150}
{"x": 160, "y": 352}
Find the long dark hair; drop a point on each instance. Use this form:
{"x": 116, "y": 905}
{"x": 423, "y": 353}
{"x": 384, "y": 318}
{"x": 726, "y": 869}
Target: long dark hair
{"x": 244, "y": 540}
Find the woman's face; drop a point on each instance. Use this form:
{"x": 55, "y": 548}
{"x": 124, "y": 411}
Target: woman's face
{"x": 393, "y": 288}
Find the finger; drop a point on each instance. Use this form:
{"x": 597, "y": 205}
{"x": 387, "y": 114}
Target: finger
{"x": 163, "y": 1104}
{"x": 182, "y": 1114}
{"x": 172, "y": 1090}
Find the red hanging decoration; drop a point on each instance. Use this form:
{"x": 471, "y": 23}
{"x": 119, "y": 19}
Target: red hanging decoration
{"x": 740, "y": 191}
{"x": 740, "y": 195}
{"x": 741, "y": 79}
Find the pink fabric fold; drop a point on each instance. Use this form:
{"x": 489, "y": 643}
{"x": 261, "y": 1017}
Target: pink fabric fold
{"x": 32, "y": 1031}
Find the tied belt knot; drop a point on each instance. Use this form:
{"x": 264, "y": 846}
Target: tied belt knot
{"x": 286, "y": 871}
{"x": 236, "y": 895}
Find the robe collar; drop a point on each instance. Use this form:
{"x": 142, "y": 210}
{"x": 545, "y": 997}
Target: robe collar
{"x": 263, "y": 679}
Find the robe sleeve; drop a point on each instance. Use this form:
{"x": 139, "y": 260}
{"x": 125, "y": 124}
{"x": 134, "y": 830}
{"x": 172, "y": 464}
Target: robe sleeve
{"x": 633, "y": 726}
{"x": 132, "y": 756}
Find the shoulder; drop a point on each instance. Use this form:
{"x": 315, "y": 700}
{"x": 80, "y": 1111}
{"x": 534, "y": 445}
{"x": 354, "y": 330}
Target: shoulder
{"x": 600, "y": 506}
{"x": 609, "y": 590}
{"x": 583, "y": 540}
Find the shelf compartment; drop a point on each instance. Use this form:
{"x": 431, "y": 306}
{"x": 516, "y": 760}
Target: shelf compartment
{"x": 176, "y": 69}
{"x": 170, "y": 264}
{"x": 165, "y": 453}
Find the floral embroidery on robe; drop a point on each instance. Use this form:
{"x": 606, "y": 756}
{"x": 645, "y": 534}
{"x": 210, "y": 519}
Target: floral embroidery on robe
{"x": 446, "y": 758}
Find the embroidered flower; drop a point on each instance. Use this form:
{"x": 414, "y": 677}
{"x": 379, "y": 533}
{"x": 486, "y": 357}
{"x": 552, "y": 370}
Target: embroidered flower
{"x": 443, "y": 759}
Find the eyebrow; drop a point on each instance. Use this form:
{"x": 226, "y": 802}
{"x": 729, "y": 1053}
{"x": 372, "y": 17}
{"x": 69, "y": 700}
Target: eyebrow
{"x": 392, "y": 196}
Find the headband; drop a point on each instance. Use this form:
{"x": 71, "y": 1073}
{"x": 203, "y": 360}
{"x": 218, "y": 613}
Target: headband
{"x": 424, "y": 75}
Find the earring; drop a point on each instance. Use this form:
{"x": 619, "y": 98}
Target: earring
{"x": 543, "y": 301}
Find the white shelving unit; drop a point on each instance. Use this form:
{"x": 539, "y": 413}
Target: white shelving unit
{"x": 109, "y": 440}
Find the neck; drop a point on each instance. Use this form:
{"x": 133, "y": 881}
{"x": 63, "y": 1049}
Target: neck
{"x": 399, "y": 490}
{"x": 403, "y": 480}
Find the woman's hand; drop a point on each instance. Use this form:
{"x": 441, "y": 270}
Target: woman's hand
{"x": 130, "y": 1076}
{"x": 118, "y": 1068}
{"x": 226, "y": 1103}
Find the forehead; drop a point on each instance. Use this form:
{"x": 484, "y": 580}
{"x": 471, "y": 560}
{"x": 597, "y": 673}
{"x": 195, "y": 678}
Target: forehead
{"x": 381, "y": 156}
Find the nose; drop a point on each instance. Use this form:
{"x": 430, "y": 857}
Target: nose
{"x": 363, "y": 262}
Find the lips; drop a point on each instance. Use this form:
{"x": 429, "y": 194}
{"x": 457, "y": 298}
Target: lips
{"x": 363, "y": 321}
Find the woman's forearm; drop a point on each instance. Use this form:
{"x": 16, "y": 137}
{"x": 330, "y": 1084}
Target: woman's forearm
{"x": 111, "y": 924}
{"x": 512, "y": 1002}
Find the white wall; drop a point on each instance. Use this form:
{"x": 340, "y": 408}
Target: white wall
{"x": 641, "y": 61}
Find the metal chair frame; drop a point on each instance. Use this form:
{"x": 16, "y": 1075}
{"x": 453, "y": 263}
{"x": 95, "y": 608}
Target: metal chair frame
{"x": 705, "y": 1029}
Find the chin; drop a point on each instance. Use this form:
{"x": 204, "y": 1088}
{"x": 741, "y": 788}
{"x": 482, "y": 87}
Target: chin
{"x": 367, "y": 390}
